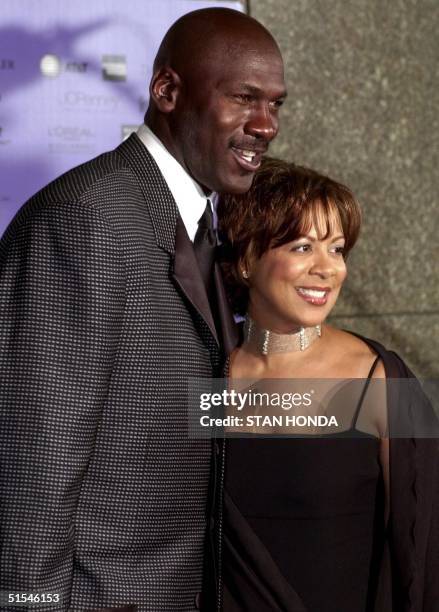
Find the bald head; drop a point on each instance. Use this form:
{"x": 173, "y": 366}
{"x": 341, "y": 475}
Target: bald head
{"x": 215, "y": 94}
{"x": 203, "y": 36}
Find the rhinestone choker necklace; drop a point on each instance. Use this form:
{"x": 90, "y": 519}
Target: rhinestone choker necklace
{"x": 266, "y": 341}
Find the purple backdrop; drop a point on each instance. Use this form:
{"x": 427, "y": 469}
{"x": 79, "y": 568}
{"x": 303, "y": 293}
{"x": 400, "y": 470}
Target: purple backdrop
{"x": 73, "y": 83}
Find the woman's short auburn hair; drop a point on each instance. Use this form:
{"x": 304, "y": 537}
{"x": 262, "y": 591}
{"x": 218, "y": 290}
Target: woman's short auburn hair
{"x": 282, "y": 205}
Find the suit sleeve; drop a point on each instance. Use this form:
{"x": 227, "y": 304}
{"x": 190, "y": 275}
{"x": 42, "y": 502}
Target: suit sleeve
{"x": 62, "y": 293}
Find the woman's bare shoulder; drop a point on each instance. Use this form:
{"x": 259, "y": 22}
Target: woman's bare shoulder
{"x": 353, "y": 354}
{"x": 347, "y": 342}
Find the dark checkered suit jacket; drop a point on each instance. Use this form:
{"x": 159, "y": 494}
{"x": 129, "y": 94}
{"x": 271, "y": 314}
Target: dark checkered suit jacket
{"x": 103, "y": 494}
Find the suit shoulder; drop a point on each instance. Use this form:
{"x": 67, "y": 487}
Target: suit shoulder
{"x": 75, "y": 184}
{"x": 100, "y": 185}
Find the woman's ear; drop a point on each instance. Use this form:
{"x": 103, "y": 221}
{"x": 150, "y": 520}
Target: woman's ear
{"x": 244, "y": 270}
{"x": 164, "y": 89}
{"x": 246, "y": 264}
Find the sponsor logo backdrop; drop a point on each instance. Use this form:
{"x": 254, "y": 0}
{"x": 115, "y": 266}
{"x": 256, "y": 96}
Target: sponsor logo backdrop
{"x": 73, "y": 83}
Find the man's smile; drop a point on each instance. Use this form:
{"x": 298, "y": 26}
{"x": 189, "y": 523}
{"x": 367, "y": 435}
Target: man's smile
{"x": 249, "y": 159}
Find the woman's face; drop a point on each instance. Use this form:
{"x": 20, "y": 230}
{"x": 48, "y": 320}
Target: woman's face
{"x": 298, "y": 283}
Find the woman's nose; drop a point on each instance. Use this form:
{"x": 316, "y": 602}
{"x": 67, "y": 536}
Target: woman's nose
{"x": 323, "y": 265}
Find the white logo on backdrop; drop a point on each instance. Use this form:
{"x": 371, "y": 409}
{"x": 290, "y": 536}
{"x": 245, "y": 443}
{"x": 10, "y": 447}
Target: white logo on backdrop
{"x": 50, "y": 65}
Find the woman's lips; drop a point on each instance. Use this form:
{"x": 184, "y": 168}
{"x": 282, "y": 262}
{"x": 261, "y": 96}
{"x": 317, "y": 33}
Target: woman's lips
{"x": 248, "y": 160}
{"x": 314, "y": 295}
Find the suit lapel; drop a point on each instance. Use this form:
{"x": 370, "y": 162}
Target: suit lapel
{"x": 188, "y": 276}
{"x": 229, "y": 329}
{"x": 169, "y": 230}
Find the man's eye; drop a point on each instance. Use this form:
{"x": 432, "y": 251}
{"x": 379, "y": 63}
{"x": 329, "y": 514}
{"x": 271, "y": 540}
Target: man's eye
{"x": 243, "y": 98}
{"x": 276, "y": 103}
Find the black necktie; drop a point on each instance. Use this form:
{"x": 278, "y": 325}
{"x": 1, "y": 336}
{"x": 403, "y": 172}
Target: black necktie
{"x": 204, "y": 247}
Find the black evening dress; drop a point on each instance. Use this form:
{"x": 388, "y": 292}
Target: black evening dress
{"x": 303, "y": 522}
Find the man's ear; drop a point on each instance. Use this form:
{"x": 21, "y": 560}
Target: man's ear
{"x": 164, "y": 89}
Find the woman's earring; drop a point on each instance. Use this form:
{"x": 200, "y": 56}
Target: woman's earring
{"x": 244, "y": 273}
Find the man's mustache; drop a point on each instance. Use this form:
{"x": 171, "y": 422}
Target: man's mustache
{"x": 259, "y": 146}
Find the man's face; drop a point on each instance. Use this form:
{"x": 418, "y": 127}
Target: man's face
{"x": 227, "y": 115}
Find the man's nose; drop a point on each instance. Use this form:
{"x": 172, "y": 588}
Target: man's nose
{"x": 262, "y": 123}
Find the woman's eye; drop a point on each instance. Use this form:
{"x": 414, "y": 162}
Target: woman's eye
{"x": 339, "y": 250}
{"x": 302, "y": 248}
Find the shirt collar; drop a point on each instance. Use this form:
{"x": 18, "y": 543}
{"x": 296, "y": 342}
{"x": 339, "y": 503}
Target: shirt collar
{"x": 188, "y": 194}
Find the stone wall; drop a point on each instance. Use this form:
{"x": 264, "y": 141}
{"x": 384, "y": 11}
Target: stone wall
{"x": 363, "y": 108}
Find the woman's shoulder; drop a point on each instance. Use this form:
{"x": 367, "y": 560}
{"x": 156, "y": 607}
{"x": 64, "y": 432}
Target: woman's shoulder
{"x": 358, "y": 351}
{"x": 351, "y": 343}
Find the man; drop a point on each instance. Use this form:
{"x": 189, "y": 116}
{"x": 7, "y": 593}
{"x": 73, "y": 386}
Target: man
{"x": 107, "y": 291}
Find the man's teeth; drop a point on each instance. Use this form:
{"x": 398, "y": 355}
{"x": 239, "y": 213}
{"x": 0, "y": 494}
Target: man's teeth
{"x": 248, "y": 155}
{"x": 312, "y": 292}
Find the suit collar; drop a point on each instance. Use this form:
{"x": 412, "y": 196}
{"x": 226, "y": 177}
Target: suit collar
{"x": 187, "y": 193}
{"x": 161, "y": 204}
{"x": 171, "y": 236}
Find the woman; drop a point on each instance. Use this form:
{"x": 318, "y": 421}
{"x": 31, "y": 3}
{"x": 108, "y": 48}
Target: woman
{"x": 315, "y": 523}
